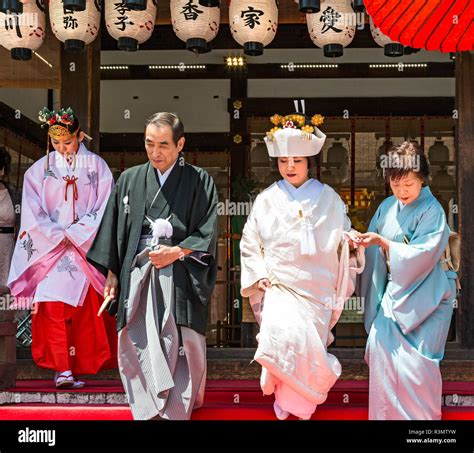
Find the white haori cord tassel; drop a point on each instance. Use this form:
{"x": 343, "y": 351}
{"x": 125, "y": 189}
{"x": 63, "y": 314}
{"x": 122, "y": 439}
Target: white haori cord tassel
{"x": 160, "y": 228}
{"x": 308, "y": 246}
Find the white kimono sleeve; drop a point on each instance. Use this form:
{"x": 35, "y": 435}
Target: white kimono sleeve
{"x": 351, "y": 263}
{"x": 253, "y": 266}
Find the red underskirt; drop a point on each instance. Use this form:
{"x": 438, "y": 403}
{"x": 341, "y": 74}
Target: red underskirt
{"x": 74, "y": 338}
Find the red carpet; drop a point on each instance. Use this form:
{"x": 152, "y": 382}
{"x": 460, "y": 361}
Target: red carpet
{"x": 208, "y": 412}
{"x": 224, "y": 400}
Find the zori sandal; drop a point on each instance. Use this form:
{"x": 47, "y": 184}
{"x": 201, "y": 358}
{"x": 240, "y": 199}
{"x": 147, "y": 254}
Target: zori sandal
{"x": 78, "y": 384}
{"x": 64, "y": 380}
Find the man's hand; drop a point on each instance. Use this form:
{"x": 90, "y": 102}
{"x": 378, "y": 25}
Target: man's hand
{"x": 166, "y": 255}
{"x": 263, "y": 284}
{"x": 110, "y": 291}
{"x": 111, "y": 286}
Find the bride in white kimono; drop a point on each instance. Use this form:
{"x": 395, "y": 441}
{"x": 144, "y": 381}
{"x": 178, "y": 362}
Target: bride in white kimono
{"x": 408, "y": 291}
{"x": 297, "y": 272}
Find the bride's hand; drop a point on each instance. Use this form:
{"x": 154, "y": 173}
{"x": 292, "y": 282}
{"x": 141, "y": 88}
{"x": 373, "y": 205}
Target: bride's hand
{"x": 264, "y": 284}
{"x": 353, "y": 238}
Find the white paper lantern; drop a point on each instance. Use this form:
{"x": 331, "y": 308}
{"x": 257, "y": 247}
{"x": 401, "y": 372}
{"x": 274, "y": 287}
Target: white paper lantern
{"x": 391, "y": 48}
{"x": 75, "y": 29}
{"x": 253, "y": 24}
{"x": 194, "y": 24}
{"x": 25, "y": 32}
{"x": 130, "y": 28}
{"x": 333, "y": 28}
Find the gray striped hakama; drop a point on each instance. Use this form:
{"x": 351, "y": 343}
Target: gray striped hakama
{"x": 162, "y": 365}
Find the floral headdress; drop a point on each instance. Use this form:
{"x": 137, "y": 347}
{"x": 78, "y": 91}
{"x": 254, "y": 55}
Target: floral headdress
{"x": 296, "y": 121}
{"x": 62, "y": 125}
{"x": 296, "y": 134}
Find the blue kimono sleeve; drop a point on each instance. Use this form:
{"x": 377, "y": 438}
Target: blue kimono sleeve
{"x": 419, "y": 283}
{"x": 373, "y": 280}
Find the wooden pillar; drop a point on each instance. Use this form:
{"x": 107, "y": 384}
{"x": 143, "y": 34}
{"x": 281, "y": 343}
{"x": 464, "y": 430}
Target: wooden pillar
{"x": 80, "y": 88}
{"x": 387, "y": 147}
{"x": 238, "y": 126}
{"x": 50, "y": 99}
{"x": 422, "y": 132}
{"x": 239, "y": 158}
{"x": 7, "y": 342}
{"x": 465, "y": 177}
{"x": 353, "y": 160}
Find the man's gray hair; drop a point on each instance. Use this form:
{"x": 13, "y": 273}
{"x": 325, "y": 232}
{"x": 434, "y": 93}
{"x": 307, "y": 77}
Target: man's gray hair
{"x": 172, "y": 120}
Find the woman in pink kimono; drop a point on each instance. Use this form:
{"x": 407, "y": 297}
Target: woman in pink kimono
{"x": 64, "y": 197}
{"x": 297, "y": 271}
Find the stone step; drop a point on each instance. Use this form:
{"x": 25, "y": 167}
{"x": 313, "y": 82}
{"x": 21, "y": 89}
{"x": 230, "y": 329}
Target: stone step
{"x": 218, "y": 392}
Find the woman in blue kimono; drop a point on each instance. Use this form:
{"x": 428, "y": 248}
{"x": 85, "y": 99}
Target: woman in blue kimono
{"x": 407, "y": 293}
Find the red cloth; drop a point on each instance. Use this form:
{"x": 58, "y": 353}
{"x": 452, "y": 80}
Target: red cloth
{"x": 76, "y": 339}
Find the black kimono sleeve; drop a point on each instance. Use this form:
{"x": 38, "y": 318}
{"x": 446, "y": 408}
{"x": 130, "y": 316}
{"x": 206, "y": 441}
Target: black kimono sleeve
{"x": 195, "y": 281}
{"x": 104, "y": 253}
{"x": 203, "y": 218}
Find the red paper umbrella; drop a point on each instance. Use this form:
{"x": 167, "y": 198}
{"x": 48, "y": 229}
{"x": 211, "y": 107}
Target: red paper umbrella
{"x": 446, "y": 25}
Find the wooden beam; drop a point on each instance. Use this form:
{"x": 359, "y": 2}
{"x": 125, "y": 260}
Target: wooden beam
{"x": 465, "y": 178}
{"x": 30, "y": 83}
{"x": 289, "y": 36}
{"x": 276, "y": 71}
{"x": 348, "y": 71}
{"x": 393, "y": 106}
{"x": 23, "y": 126}
{"x": 133, "y": 142}
{"x": 18, "y": 143}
